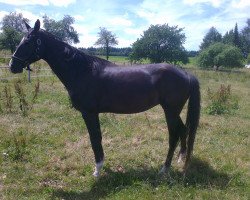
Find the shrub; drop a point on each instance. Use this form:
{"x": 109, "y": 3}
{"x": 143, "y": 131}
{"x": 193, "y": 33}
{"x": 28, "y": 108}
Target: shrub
{"x": 220, "y": 54}
{"x": 221, "y": 101}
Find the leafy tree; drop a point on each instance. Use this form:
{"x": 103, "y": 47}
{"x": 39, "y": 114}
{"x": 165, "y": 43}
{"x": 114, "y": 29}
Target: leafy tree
{"x": 9, "y": 39}
{"x": 160, "y": 43}
{"x": 219, "y": 54}
{"x": 13, "y": 29}
{"x": 106, "y": 39}
{"x": 211, "y": 37}
{"x": 14, "y": 20}
{"x": 63, "y": 29}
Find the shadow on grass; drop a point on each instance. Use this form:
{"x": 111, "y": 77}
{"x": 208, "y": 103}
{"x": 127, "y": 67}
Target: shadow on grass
{"x": 200, "y": 174}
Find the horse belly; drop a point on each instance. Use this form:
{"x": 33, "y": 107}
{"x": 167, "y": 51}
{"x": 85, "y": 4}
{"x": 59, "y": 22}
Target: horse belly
{"x": 129, "y": 101}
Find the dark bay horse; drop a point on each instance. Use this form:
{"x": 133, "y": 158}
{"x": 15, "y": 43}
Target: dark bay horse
{"x": 98, "y": 86}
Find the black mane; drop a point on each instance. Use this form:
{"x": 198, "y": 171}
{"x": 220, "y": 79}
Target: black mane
{"x": 72, "y": 53}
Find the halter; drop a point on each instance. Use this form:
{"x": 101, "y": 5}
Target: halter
{"x": 35, "y": 54}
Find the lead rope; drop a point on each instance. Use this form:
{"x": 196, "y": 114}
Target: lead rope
{"x": 29, "y": 70}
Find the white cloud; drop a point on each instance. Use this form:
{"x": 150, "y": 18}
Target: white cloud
{"x": 2, "y": 14}
{"x": 214, "y": 3}
{"x": 242, "y": 4}
{"x": 64, "y": 3}
{"x": 79, "y": 17}
{"x": 26, "y": 2}
{"x": 58, "y": 3}
{"x": 120, "y": 21}
{"x": 29, "y": 15}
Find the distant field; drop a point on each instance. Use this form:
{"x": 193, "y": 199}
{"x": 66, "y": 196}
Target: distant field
{"x": 46, "y": 154}
{"x": 118, "y": 59}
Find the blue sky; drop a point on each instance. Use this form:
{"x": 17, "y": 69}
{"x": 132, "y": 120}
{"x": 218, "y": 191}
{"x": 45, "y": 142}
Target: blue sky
{"x": 129, "y": 18}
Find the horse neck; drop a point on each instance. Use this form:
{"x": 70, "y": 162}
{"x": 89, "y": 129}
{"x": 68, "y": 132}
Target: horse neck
{"x": 68, "y": 71}
{"x": 55, "y": 56}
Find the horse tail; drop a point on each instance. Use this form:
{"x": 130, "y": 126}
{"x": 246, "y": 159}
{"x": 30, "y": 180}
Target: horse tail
{"x": 193, "y": 115}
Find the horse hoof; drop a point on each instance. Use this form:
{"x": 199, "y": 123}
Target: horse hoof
{"x": 164, "y": 170}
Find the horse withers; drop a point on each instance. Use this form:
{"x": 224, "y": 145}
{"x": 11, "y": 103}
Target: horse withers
{"x": 99, "y": 86}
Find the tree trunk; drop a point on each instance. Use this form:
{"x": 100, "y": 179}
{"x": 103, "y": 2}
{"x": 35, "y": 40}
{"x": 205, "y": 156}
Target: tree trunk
{"x": 107, "y": 52}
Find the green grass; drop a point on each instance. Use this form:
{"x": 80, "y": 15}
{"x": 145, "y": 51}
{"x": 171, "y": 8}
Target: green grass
{"x": 47, "y": 154}
{"x": 122, "y": 60}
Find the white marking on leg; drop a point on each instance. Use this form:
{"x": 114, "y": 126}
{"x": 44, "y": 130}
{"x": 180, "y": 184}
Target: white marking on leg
{"x": 98, "y": 168}
{"x": 181, "y": 157}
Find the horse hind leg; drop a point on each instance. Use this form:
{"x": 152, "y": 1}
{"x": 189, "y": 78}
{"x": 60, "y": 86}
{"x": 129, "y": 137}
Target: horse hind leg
{"x": 172, "y": 118}
{"x": 183, "y": 137}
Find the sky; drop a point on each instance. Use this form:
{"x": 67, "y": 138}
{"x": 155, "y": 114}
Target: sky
{"x": 127, "y": 19}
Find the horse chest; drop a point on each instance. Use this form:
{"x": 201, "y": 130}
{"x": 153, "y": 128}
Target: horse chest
{"x": 84, "y": 100}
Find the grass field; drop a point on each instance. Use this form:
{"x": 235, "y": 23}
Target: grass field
{"x": 45, "y": 153}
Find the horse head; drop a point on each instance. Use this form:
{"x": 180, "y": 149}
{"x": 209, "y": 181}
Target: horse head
{"x": 29, "y": 49}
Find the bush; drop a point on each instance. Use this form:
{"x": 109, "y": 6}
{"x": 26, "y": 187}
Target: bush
{"x": 221, "y": 101}
{"x": 231, "y": 57}
{"x": 248, "y": 59}
{"x": 220, "y": 54}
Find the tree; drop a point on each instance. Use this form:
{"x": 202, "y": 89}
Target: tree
{"x": 228, "y": 38}
{"x": 219, "y": 54}
{"x": 13, "y": 29}
{"x": 245, "y": 37}
{"x": 106, "y": 39}
{"x": 63, "y": 29}
{"x": 211, "y": 37}
{"x": 160, "y": 43}
{"x": 9, "y": 39}
{"x": 236, "y": 37}
{"x": 14, "y": 20}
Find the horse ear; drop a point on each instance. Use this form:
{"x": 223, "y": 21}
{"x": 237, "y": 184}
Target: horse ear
{"x": 27, "y": 25}
{"x": 37, "y": 26}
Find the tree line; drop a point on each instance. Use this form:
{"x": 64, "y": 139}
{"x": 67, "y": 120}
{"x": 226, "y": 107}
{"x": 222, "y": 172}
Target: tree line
{"x": 159, "y": 43}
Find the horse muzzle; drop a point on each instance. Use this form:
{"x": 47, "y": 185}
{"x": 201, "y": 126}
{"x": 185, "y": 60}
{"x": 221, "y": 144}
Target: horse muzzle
{"x": 15, "y": 67}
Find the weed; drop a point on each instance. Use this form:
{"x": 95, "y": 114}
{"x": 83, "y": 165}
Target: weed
{"x": 35, "y": 93}
{"x": 8, "y": 98}
{"x": 221, "y": 101}
{"x": 17, "y": 146}
{"x": 1, "y": 109}
{"x": 24, "y": 104}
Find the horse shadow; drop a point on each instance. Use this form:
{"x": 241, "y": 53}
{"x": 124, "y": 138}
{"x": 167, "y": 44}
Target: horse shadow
{"x": 200, "y": 174}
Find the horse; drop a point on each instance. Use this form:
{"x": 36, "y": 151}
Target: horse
{"x": 98, "y": 86}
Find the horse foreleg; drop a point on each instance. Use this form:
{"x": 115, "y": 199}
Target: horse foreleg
{"x": 93, "y": 126}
